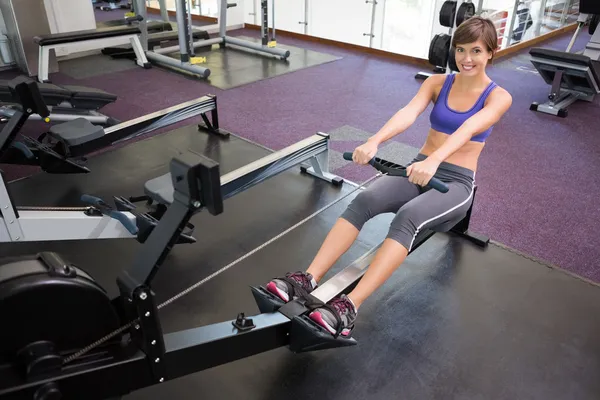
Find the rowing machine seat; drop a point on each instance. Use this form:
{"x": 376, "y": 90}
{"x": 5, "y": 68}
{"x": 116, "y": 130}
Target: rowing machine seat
{"x": 90, "y": 34}
{"x": 75, "y": 132}
{"x": 160, "y": 189}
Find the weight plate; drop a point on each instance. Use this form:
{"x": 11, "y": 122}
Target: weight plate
{"x": 465, "y": 11}
{"x": 447, "y": 13}
{"x": 439, "y": 50}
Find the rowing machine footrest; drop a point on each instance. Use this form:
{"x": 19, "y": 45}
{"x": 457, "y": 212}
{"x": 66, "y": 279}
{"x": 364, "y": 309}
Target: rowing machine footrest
{"x": 75, "y": 132}
{"x": 52, "y": 162}
{"x": 266, "y": 302}
{"x": 306, "y": 336}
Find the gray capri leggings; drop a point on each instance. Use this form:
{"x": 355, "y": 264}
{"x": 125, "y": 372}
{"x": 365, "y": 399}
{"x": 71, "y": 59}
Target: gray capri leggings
{"x": 416, "y": 208}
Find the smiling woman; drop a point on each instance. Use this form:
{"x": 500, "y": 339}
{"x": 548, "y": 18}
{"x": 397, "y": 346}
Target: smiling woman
{"x": 467, "y": 105}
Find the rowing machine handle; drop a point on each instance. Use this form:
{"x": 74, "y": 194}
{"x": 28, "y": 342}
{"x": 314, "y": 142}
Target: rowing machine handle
{"x": 108, "y": 210}
{"x": 398, "y": 170}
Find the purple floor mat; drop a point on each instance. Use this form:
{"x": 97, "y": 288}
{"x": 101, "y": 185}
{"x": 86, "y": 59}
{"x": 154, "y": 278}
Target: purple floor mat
{"x": 536, "y": 178}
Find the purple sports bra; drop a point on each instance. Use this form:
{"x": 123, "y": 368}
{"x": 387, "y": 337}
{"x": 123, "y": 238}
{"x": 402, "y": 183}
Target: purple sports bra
{"x": 446, "y": 120}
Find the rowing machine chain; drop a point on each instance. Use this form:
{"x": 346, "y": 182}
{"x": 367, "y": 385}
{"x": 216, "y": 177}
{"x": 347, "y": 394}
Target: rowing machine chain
{"x": 213, "y": 275}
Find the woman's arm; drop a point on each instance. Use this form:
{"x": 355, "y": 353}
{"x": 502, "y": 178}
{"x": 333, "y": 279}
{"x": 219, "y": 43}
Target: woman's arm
{"x": 406, "y": 116}
{"x": 499, "y": 102}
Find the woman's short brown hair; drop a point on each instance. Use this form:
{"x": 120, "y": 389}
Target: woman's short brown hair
{"x": 476, "y": 28}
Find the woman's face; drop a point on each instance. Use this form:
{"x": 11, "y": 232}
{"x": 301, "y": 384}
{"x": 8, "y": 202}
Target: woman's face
{"x": 472, "y": 58}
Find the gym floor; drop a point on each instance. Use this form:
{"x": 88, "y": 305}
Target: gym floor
{"x": 454, "y": 322}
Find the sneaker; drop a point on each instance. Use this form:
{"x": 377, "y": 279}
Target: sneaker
{"x": 337, "y": 316}
{"x": 292, "y": 285}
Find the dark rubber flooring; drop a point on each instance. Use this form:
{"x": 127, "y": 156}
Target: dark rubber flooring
{"x": 454, "y": 322}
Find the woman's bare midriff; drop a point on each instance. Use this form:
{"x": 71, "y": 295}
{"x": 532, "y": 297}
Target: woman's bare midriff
{"x": 466, "y": 157}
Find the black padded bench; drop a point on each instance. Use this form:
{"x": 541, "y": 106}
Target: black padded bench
{"x": 580, "y": 72}
{"x": 572, "y": 77}
{"x": 99, "y": 38}
{"x": 80, "y": 97}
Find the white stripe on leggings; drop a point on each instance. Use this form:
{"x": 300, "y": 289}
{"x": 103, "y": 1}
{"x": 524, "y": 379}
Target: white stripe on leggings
{"x": 441, "y": 215}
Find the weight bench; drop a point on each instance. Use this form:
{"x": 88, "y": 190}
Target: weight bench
{"x": 66, "y": 102}
{"x": 572, "y": 77}
{"x": 112, "y": 36}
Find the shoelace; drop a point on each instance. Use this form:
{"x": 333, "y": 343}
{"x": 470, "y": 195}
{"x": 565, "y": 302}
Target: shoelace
{"x": 301, "y": 278}
{"x": 341, "y": 305}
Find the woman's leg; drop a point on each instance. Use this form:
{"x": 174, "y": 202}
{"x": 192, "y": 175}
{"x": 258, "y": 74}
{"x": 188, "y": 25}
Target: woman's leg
{"x": 337, "y": 242}
{"x": 388, "y": 258}
{"x": 387, "y": 194}
{"x": 427, "y": 210}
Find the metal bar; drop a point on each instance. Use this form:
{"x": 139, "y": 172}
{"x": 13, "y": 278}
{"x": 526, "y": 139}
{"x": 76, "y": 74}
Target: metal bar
{"x": 264, "y": 22}
{"x": 196, "y": 44}
{"x": 182, "y": 30}
{"x": 251, "y": 174}
{"x": 306, "y": 12}
{"x": 198, "y": 349}
{"x": 223, "y": 18}
{"x": 540, "y": 18}
{"x": 256, "y": 46}
{"x": 512, "y": 23}
{"x": 372, "y": 30}
{"x": 195, "y": 69}
{"x": 164, "y": 14}
{"x": 573, "y": 38}
{"x": 10, "y": 229}
{"x": 293, "y": 155}
{"x": 273, "y": 19}
{"x": 145, "y": 124}
{"x": 190, "y": 41}
{"x": 206, "y": 101}
{"x": 38, "y": 226}
{"x": 143, "y": 24}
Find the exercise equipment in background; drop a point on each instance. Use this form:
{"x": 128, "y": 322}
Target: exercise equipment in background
{"x": 62, "y": 148}
{"x": 186, "y": 49}
{"x": 65, "y": 102}
{"x": 441, "y": 54}
{"x": 571, "y": 76}
{"x": 95, "y": 220}
{"x": 524, "y": 22}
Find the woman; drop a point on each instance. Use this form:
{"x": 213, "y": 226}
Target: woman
{"x": 466, "y": 107}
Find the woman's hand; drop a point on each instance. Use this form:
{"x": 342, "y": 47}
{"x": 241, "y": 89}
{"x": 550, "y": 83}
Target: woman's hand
{"x": 364, "y": 153}
{"x": 420, "y": 173}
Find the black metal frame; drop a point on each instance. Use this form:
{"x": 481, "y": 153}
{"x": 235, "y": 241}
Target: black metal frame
{"x": 151, "y": 357}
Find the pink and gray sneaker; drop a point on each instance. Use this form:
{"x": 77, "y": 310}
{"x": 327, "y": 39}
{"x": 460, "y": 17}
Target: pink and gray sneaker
{"x": 292, "y": 285}
{"x": 337, "y": 316}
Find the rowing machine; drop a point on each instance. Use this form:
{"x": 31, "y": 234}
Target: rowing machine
{"x": 97, "y": 220}
{"x": 310, "y": 336}
{"x": 121, "y": 340}
{"x": 62, "y": 148}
